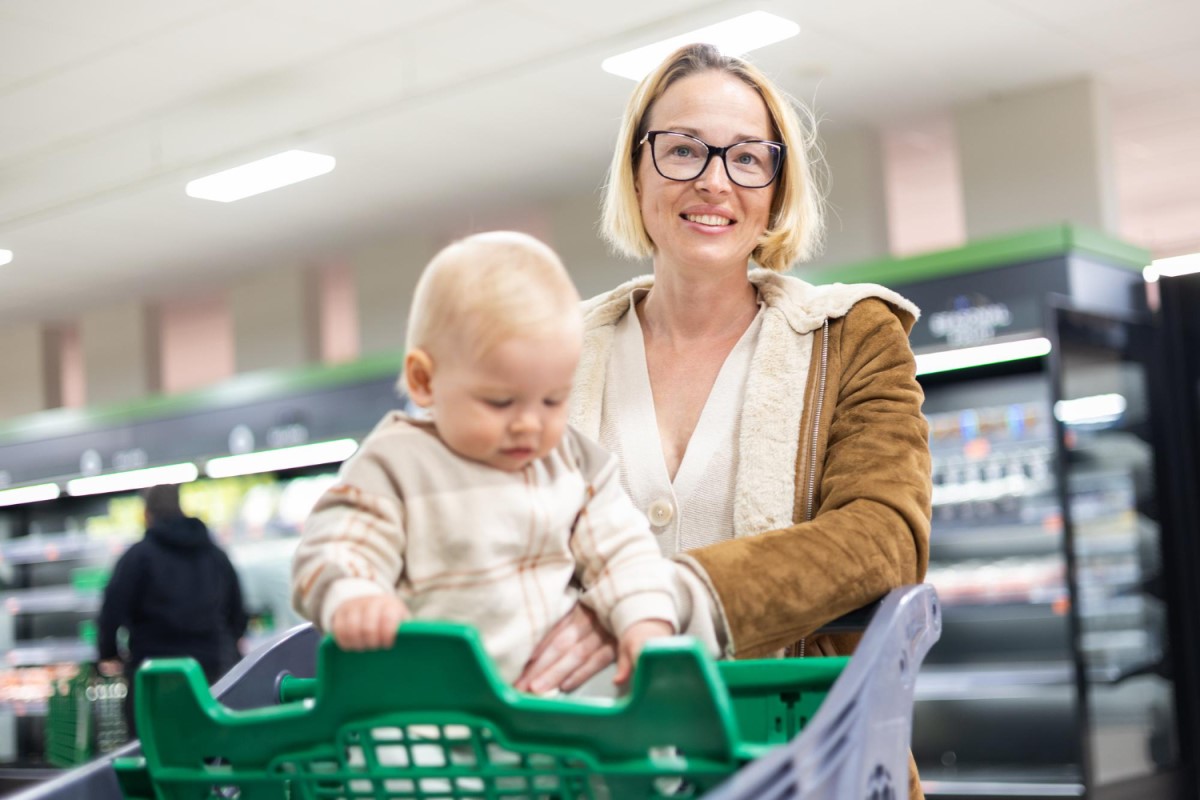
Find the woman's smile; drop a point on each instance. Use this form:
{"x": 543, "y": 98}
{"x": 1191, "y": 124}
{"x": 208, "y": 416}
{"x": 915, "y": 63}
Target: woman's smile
{"x": 709, "y": 220}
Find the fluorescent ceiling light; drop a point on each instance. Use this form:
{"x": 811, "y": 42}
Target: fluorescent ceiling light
{"x": 132, "y": 479}
{"x": 5, "y": 257}
{"x": 261, "y": 176}
{"x": 998, "y": 353}
{"x": 29, "y": 494}
{"x": 304, "y": 455}
{"x": 1095, "y": 409}
{"x": 733, "y": 37}
{"x": 1172, "y": 267}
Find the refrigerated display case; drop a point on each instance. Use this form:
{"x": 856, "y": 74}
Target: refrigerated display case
{"x": 1102, "y": 401}
{"x": 1047, "y": 554}
{"x": 52, "y": 573}
{"x": 1062, "y": 670}
{"x": 55, "y": 552}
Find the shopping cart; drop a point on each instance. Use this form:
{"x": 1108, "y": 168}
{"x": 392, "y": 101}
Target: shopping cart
{"x": 430, "y": 720}
{"x": 84, "y": 717}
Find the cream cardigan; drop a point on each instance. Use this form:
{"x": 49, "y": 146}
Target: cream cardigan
{"x": 696, "y": 507}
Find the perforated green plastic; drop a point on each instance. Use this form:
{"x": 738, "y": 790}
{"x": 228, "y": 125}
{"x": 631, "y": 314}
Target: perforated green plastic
{"x": 84, "y": 718}
{"x": 429, "y": 719}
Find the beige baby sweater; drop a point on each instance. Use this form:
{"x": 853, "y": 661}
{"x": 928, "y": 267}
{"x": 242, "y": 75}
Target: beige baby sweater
{"x": 457, "y": 540}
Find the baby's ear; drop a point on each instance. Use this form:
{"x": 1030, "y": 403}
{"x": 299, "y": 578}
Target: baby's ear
{"x": 418, "y": 374}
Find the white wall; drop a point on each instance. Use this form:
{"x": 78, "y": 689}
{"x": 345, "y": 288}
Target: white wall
{"x": 385, "y": 274}
{"x": 119, "y": 354}
{"x": 274, "y": 320}
{"x": 1037, "y": 158}
{"x": 22, "y": 370}
{"x": 575, "y": 235}
{"x": 856, "y": 212}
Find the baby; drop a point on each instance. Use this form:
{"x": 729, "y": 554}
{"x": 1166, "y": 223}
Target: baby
{"x": 494, "y": 512}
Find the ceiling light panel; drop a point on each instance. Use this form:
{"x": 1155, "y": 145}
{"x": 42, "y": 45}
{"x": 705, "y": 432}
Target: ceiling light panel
{"x": 733, "y": 37}
{"x": 273, "y": 172}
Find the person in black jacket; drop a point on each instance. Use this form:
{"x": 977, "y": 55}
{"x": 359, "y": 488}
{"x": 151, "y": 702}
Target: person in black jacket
{"x": 176, "y": 594}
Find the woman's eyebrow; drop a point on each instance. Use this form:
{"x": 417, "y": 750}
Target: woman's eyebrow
{"x": 739, "y": 137}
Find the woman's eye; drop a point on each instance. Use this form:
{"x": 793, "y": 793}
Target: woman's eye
{"x": 682, "y": 151}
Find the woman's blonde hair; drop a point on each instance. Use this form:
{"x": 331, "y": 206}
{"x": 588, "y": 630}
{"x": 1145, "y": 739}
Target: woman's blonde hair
{"x": 796, "y": 226}
{"x": 487, "y": 288}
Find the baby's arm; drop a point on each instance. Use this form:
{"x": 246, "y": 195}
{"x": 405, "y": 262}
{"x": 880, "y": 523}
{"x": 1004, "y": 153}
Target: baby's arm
{"x": 627, "y": 581}
{"x": 349, "y": 560}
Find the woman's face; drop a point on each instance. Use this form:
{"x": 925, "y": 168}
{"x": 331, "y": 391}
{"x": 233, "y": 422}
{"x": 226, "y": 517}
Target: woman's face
{"x": 709, "y": 221}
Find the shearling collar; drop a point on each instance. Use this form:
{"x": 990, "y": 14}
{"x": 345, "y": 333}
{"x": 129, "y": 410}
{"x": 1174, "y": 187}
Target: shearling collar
{"x": 803, "y": 305}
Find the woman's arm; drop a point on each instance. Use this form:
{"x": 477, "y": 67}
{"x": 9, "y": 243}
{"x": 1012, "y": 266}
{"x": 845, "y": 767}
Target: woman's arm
{"x": 870, "y": 531}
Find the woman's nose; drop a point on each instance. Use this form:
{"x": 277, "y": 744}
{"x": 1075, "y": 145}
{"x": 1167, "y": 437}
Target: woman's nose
{"x": 714, "y": 178}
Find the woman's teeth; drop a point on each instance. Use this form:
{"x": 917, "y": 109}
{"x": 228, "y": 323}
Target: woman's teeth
{"x": 708, "y": 219}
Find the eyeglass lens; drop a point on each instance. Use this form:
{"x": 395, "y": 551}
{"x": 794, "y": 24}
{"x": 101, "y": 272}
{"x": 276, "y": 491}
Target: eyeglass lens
{"x": 683, "y": 158}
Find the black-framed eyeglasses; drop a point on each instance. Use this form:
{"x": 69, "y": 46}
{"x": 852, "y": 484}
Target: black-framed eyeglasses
{"x": 752, "y": 164}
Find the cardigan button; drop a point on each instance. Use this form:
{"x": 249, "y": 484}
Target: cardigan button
{"x": 661, "y": 512}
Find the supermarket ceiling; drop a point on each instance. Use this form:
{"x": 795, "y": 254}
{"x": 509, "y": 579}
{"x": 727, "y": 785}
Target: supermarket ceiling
{"x": 436, "y": 110}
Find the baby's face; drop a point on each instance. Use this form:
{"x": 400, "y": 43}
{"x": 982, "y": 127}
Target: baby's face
{"x": 508, "y": 407}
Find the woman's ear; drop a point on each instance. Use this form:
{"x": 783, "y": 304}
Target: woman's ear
{"x": 418, "y": 375}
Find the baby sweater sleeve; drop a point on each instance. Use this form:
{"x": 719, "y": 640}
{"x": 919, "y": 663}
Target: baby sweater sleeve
{"x": 625, "y": 577}
{"x": 353, "y": 541}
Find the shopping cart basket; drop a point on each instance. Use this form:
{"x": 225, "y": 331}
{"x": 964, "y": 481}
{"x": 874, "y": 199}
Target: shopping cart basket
{"x": 84, "y": 717}
{"x": 429, "y": 720}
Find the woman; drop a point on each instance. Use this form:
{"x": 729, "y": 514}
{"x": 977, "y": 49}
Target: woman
{"x": 770, "y": 429}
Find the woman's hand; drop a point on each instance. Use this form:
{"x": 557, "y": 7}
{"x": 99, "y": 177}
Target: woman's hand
{"x": 575, "y": 649}
{"x": 368, "y": 623}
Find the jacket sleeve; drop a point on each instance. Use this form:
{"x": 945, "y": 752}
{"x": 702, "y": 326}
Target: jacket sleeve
{"x": 353, "y": 542}
{"x": 618, "y": 563}
{"x": 870, "y": 528}
{"x": 235, "y": 615}
{"x": 120, "y": 598}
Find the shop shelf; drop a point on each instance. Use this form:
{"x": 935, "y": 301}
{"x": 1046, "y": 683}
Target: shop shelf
{"x": 48, "y": 599}
{"x": 50, "y": 651}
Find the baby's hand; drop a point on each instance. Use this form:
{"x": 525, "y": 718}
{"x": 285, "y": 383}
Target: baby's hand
{"x": 368, "y": 623}
{"x": 632, "y": 640}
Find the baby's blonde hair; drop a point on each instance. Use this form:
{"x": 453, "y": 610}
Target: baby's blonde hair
{"x": 796, "y": 227}
{"x": 487, "y": 288}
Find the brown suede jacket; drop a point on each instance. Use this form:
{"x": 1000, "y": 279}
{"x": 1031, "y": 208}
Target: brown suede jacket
{"x": 850, "y": 519}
